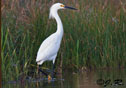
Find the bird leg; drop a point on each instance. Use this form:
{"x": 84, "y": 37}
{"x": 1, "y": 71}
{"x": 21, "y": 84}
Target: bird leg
{"x": 52, "y": 74}
{"x": 47, "y": 75}
{"x": 40, "y": 70}
{"x": 37, "y": 69}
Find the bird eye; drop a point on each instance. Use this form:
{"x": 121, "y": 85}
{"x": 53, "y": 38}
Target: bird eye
{"x": 61, "y": 5}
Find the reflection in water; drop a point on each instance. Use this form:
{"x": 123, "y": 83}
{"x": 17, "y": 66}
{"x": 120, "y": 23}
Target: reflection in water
{"x": 76, "y": 80}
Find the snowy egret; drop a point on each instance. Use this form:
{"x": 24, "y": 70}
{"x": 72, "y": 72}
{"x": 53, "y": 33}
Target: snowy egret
{"x": 50, "y": 46}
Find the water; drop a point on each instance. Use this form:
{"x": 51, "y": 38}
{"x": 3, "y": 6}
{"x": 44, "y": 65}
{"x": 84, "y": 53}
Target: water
{"x": 87, "y": 79}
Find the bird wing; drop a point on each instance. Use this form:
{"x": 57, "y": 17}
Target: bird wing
{"x": 48, "y": 48}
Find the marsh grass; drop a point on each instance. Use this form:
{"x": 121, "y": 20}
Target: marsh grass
{"x": 94, "y": 36}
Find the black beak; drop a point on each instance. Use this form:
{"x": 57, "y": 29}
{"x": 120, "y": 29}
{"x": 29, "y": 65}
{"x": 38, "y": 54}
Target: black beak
{"x": 67, "y": 7}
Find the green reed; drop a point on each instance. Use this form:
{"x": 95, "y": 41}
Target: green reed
{"x": 94, "y": 37}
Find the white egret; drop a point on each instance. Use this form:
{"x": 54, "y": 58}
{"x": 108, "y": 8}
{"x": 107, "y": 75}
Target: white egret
{"x": 50, "y": 46}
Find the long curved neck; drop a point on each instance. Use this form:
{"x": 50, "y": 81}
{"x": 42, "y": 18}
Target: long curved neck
{"x": 59, "y": 24}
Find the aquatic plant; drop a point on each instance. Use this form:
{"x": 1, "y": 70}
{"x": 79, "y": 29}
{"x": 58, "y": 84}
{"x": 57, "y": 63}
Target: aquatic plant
{"x": 94, "y": 36}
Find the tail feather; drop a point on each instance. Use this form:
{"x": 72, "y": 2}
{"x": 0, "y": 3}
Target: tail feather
{"x": 40, "y": 62}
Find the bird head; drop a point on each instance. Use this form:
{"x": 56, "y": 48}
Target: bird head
{"x": 55, "y": 7}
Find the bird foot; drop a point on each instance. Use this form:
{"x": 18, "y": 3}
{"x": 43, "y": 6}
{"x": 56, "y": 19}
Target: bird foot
{"x": 49, "y": 78}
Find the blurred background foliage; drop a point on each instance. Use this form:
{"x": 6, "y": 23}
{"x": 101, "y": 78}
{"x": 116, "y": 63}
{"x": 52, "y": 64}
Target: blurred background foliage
{"x": 94, "y": 35}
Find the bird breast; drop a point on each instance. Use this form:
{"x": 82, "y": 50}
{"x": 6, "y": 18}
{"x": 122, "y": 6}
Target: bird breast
{"x": 49, "y": 47}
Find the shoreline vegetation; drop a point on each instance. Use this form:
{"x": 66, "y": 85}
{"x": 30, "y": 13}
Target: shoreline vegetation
{"x": 94, "y": 36}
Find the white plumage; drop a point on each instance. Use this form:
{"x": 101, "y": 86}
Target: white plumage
{"x": 50, "y": 46}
